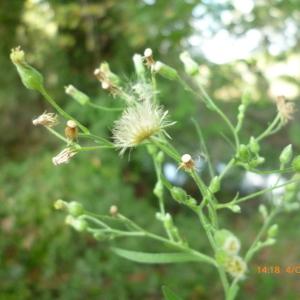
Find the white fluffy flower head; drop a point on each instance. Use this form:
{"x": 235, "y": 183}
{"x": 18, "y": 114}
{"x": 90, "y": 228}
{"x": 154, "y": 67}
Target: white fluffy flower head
{"x": 138, "y": 123}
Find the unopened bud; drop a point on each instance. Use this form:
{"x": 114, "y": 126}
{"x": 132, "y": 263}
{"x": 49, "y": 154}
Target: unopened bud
{"x": 273, "y": 230}
{"x": 75, "y": 209}
{"x": 77, "y": 95}
{"x": 139, "y": 66}
{"x": 113, "y": 210}
{"x": 165, "y": 71}
{"x": 286, "y": 155}
{"x": 254, "y": 145}
{"x": 296, "y": 163}
{"x": 60, "y": 204}
{"x": 263, "y": 211}
{"x": 190, "y": 66}
{"x": 31, "y": 78}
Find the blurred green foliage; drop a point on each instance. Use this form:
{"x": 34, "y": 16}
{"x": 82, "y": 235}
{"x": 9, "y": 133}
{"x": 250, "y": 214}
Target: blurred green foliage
{"x": 43, "y": 259}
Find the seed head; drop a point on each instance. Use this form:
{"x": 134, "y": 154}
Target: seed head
{"x": 138, "y": 123}
{"x": 46, "y": 119}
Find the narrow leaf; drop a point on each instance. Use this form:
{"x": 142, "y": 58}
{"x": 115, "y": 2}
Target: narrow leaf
{"x": 155, "y": 258}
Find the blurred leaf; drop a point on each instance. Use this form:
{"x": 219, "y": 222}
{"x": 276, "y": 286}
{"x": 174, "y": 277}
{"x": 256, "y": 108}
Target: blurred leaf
{"x": 169, "y": 294}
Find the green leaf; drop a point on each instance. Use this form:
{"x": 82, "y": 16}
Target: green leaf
{"x": 169, "y": 294}
{"x": 155, "y": 258}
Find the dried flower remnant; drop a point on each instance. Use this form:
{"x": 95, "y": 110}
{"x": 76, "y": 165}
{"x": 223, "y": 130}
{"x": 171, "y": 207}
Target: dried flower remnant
{"x": 138, "y": 123}
{"x": 109, "y": 81}
{"x": 187, "y": 163}
{"x": 148, "y": 55}
{"x": 71, "y": 130}
{"x": 46, "y": 119}
{"x": 286, "y": 109}
{"x": 63, "y": 157}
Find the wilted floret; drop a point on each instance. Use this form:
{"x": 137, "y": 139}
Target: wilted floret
{"x": 46, "y": 119}
{"x": 63, "y": 157}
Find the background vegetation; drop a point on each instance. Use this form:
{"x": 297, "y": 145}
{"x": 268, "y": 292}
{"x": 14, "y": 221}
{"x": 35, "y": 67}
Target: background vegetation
{"x": 43, "y": 259}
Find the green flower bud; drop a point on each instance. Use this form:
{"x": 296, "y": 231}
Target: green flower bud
{"x": 31, "y": 78}
{"x": 286, "y": 155}
{"x": 296, "y": 163}
{"x": 179, "y": 194}
{"x": 160, "y": 157}
{"x": 273, "y": 230}
{"x": 165, "y": 71}
{"x": 244, "y": 153}
{"x": 60, "y": 204}
{"x": 235, "y": 208}
{"x": 78, "y": 224}
{"x": 158, "y": 189}
{"x": 190, "y": 66}
{"x": 254, "y": 145}
{"x": 263, "y": 211}
{"x": 215, "y": 185}
{"x": 75, "y": 209}
{"x": 139, "y": 66}
{"x": 77, "y": 95}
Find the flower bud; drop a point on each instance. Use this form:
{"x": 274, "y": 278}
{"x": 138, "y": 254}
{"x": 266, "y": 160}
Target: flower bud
{"x": 296, "y": 163}
{"x": 179, "y": 194}
{"x": 60, "y": 204}
{"x": 165, "y": 70}
{"x": 215, "y": 185}
{"x": 236, "y": 267}
{"x": 113, "y": 210}
{"x": 263, "y": 211}
{"x": 286, "y": 155}
{"x": 139, "y": 66}
{"x": 273, "y": 230}
{"x": 75, "y": 209}
{"x": 254, "y": 145}
{"x": 158, "y": 189}
{"x": 77, "y": 223}
{"x": 31, "y": 78}
{"x": 244, "y": 154}
{"x": 160, "y": 157}
{"x": 235, "y": 208}
{"x": 77, "y": 95}
{"x": 190, "y": 66}
{"x": 232, "y": 245}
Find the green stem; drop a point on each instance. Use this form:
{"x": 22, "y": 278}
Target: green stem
{"x": 61, "y": 111}
{"x": 104, "y": 108}
{"x": 268, "y": 131}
